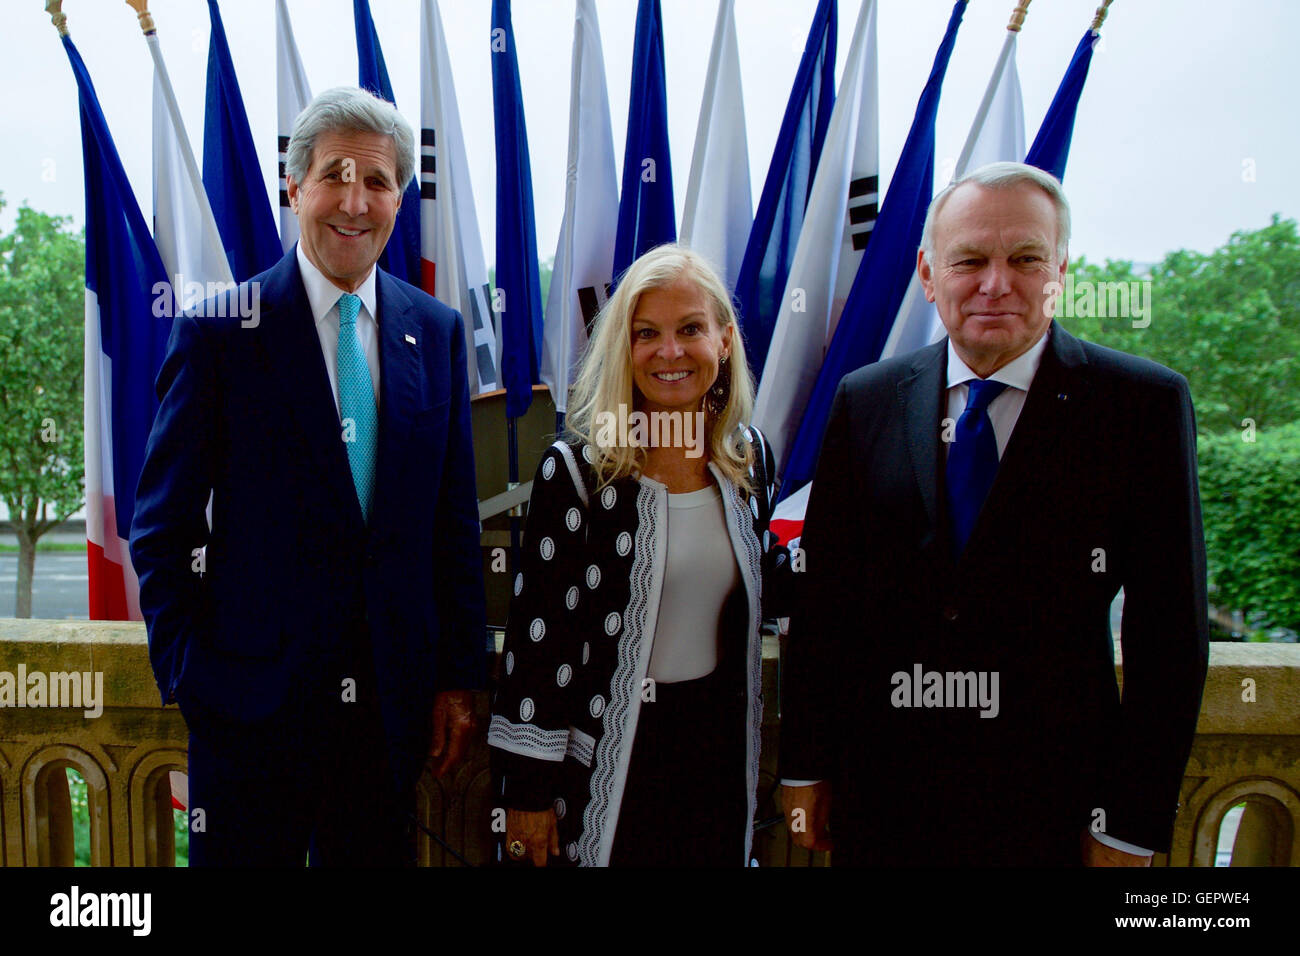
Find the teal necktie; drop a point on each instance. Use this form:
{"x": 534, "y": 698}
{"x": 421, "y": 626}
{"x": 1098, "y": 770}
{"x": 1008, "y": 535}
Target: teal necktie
{"x": 356, "y": 402}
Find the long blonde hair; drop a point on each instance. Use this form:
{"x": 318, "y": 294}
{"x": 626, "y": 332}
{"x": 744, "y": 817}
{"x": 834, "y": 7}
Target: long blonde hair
{"x": 605, "y": 380}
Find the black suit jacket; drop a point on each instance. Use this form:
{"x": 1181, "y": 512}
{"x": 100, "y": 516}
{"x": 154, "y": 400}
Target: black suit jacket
{"x": 292, "y": 573}
{"x": 1096, "y": 490}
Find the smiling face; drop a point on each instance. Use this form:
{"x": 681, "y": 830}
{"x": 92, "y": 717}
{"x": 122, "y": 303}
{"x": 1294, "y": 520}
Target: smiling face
{"x": 677, "y": 347}
{"x": 347, "y": 204}
{"x": 995, "y": 251}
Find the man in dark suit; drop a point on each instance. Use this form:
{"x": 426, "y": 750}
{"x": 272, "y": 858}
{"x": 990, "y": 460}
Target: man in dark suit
{"x": 323, "y": 631}
{"x": 977, "y": 506}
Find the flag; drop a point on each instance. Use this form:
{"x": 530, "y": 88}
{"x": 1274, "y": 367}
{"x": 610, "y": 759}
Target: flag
{"x": 125, "y": 344}
{"x": 769, "y": 252}
{"x": 584, "y": 256}
{"x": 646, "y": 217}
{"x": 292, "y": 94}
{"x": 517, "y": 278}
{"x": 1051, "y": 147}
{"x": 184, "y": 228}
{"x": 451, "y": 251}
{"x": 401, "y": 257}
{"x": 719, "y": 206}
{"x": 886, "y": 269}
{"x": 996, "y": 135}
{"x": 836, "y": 229}
{"x": 231, "y": 171}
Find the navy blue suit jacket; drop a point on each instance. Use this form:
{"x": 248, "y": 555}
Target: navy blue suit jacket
{"x": 290, "y": 567}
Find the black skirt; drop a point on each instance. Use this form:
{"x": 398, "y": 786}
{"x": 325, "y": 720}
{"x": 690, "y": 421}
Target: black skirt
{"x": 684, "y": 803}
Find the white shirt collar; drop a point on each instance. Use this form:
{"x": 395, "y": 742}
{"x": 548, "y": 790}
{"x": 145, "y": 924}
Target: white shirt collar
{"x": 323, "y": 295}
{"x": 1018, "y": 373}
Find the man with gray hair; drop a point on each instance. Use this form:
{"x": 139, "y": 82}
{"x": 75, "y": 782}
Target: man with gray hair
{"x": 977, "y": 506}
{"x": 323, "y": 631}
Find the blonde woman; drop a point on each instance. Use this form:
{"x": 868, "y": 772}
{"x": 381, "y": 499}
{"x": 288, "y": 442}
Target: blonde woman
{"x": 627, "y": 717}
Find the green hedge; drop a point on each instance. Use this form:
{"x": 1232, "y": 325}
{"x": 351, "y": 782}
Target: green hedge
{"x": 1250, "y": 496}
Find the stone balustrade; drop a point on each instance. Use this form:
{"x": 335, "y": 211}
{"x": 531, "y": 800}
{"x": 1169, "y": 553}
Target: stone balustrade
{"x": 1247, "y": 750}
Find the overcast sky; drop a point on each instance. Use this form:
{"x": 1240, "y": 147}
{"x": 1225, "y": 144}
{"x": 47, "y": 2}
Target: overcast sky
{"x": 1188, "y": 127}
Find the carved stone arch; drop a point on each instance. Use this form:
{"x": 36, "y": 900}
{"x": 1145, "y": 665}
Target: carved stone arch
{"x": 47, "y": 812}
{"x": 149, "y": 800}
{"x": 1275, "y": 808}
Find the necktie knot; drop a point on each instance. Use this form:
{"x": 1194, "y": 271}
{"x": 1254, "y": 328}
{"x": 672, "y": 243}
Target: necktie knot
{"x": 349, "y": 308}
{"x": 981, "y": 394}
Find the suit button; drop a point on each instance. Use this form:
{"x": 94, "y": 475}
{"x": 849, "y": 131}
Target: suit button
{"x": 950, "y": 614}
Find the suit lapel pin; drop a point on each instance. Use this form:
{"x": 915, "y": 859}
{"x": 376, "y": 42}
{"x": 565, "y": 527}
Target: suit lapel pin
{"x": 410, "y": 339}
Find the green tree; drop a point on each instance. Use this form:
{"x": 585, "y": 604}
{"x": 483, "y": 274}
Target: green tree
{"x": 42, "y": 316}
{"x": 1250, "y": 497}
{"x": 1228, "y": 320}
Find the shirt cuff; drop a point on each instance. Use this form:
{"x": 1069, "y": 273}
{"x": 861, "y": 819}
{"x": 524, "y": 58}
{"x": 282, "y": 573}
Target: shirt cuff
{"x": 1114, "y": 844}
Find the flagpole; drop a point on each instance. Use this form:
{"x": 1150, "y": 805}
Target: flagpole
{"x": 1018, "y": 16}
{"x": 1100, "y": 16}
{"x": 141, "y": 8}
{"x": 60, "y": 19}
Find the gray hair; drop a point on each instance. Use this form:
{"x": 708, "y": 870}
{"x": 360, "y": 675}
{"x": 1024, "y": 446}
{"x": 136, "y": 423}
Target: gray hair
{"x": 351, "y": 109}
{"x": 1003, "y": 176}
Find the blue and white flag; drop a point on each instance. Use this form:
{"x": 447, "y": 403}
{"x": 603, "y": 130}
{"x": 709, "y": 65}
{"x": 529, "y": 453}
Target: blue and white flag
{"x": 837, "y": 228}
{"x": 231, "y": 172}
{"x": 886, "y": 269}
{"x": 1051, "y": 149}
{"x": 646, "y": 217}
{"x": 292, "y": 94}
{"x": 996, "y": 135}
{"x": 125, "y": 344}
{"x": 519, "y": 289}
{"x": 719, "y": 207}
{"x": 770, "y": 248}
{"x": 584, "y": 255}
{"x": 451, "y": 250}
{"x": 401, "y": 257}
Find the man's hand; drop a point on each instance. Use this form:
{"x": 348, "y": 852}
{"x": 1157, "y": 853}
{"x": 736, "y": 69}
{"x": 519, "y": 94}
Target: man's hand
{"x": 453, "y": 728}
{"x": 536, "y": 831}
{"x": 807, "y": 812}
{"x": 1096, "y": 853}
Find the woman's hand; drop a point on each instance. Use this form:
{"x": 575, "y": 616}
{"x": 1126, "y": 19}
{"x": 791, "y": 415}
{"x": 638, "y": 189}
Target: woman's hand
{"x": 536, "y": 831}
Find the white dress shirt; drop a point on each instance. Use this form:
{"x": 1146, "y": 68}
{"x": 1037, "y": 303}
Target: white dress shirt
{"x": 1004, "y": 412}
{"x": 323, "y": 297}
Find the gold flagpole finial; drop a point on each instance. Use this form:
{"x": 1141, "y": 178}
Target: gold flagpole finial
{"x": 1100, "y": 17}
{"x": 141, "y": 8}
{"x": 1018, "y": 16}
{"x": 60, "y": 19}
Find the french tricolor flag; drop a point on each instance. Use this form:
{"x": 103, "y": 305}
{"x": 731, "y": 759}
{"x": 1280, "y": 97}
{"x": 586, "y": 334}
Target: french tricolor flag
{"x": 125, "y": 344}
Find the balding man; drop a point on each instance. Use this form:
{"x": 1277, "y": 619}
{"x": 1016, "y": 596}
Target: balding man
{"x": 977, "y": 506}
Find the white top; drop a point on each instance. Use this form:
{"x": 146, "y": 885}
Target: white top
{"x": 700, "y": 571}
{"x": 323, "y": 297}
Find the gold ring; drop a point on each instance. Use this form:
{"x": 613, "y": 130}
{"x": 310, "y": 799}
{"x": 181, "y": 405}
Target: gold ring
{"x": 517, "y": 849}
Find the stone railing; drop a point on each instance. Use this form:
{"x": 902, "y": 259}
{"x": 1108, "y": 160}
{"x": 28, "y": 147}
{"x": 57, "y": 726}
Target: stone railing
{"x": 1247, "y": 750}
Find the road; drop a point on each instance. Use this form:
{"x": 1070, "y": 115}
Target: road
{"x": 58, "y": 588}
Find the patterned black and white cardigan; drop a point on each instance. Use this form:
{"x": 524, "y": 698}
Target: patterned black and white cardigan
{"x": 579, "y": 636}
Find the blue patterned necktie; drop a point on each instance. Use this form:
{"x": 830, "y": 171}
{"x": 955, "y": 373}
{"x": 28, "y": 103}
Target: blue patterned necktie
{"x": 356, "y": 402}
{"x": 972, "y": 461}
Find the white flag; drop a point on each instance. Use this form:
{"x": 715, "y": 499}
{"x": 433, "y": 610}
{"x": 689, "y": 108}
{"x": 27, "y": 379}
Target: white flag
{"x": 292, "y": 94}
{"x": 451, "y": 251}
{"x": 996, "y": 135}
{"x": 584, "y": 257}
{"x": 719, "y": 204}
{"x": 184, "y": 228}
{"x": 836, "y": 228}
